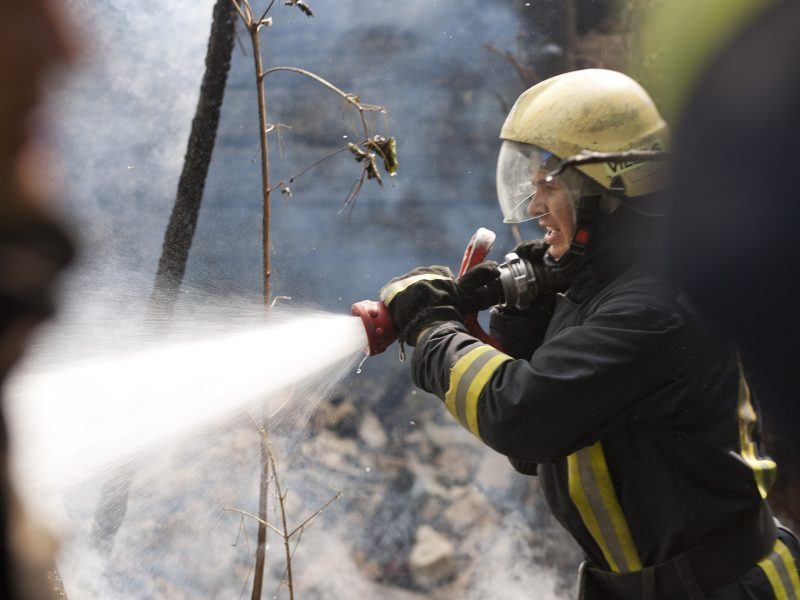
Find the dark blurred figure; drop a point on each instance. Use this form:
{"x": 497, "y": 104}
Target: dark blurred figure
{"x": 33, "y": 249}
{"x": 734, "y": 230}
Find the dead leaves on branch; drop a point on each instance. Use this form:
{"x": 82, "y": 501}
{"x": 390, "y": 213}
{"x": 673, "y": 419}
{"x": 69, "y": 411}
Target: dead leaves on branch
{"x": 301, "y": 5}
{"x": 376, "y": 146}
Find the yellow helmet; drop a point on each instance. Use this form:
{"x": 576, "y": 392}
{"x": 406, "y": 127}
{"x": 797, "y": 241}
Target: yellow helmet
{"x": 591, "y": 109}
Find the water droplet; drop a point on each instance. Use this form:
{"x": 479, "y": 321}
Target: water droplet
{"x": 412, "y": 423}
{"x": 363, "y": 360}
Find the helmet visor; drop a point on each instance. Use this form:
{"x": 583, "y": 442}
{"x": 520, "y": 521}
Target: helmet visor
{"x": 517, "y": 163}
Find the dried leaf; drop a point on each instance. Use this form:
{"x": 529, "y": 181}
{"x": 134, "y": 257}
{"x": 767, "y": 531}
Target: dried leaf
{"x": 301, "y": 5}
{"x": 387, "y": 148}
{"x": 370, "y": 166}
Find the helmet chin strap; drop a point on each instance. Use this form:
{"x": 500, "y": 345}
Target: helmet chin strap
{"x": 585, "y": 224}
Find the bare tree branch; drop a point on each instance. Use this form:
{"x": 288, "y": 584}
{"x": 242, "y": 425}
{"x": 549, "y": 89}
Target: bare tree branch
{"x": 239, "y": 10}
{"x": 255, "y": 518}
{"x": 526, "y": 73}
{"x": 307, "y": 169}
{"x": 316, "y": 514}
{"x": 351, "y": 98}
{"x": 266, "y": 10}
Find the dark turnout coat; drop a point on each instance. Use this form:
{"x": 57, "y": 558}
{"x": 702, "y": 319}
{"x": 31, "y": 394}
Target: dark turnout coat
{"x": 638, "y": 420}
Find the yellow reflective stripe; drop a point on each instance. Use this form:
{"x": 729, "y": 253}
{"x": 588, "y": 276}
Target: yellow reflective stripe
{"x": 764, "y": 469}
{"x": 592, "y": 492}
{"x": 579, "y": 498}
{"x": 613, "y": 508}
{"x": 457, "y": 373}
{"x": 781, "y": 571}
{"x": 791, "y": 569}
{"x": 774, "y": 579}
{"x": 468, "y": 377}
{"x": 390, "y": 290}
{"x": 476, "y": 387}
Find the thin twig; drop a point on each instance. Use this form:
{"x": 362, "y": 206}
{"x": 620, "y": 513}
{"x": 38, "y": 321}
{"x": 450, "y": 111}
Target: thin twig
{"x": 239, "y": 10}
{"x": 277, "y": 299}
{"x": 254, "y": 517}
{"x": 351, "y": 98}
{"x": 282, "y": 504}
{"x": 249, "y": 11}
{"x": 350, "y": 201}
{"x": 316, "y": 514}
{"x": 247, "y": 578}
{"x": 291, "y": 392}
{"x": 239, "y": 534}
{"x": 266, "y": 10}
{"x": 526, "y": 73}
{"x": 307, "y": 169}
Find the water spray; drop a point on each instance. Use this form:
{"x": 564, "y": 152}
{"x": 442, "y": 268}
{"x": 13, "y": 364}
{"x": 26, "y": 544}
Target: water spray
{"x": 517, "y": 286}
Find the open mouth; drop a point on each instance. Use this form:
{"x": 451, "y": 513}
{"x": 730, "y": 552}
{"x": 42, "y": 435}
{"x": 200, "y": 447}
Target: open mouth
{"x": 552, "y": 233}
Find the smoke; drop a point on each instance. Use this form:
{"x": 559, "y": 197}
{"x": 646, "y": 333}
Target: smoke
{"x": 513, "y": 565}
{"x": 123, "y": 119}
{"x": 152, "y": 522}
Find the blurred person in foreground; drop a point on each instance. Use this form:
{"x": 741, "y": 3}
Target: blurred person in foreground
{"x": 736, "y": 198}
{"x": 629, "y": 405}
{"x": 33, "y": 249}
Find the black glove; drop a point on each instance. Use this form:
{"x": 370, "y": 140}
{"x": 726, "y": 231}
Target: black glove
{"x": 420, "y": 298}
{"x": 480, "y": 287}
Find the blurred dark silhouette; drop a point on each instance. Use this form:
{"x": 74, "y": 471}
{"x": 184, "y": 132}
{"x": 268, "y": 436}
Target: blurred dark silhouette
{"x": 33, "y": 249}
{"x": 735, "y": 218}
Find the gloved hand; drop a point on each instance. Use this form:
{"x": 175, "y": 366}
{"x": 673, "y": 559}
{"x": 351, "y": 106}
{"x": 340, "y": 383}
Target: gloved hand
{"x": 420, "y": 298}
{"x": 480, "y": 287}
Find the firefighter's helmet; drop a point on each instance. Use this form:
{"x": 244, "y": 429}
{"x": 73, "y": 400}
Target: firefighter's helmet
{"x": 592, "y": 109}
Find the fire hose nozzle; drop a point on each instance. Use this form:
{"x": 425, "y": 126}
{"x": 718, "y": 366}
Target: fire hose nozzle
{"x": 377, "y": 323}
{"x": 518, "y": 282}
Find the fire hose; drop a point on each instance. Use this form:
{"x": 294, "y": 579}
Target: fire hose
{"x": 517, "y": 285}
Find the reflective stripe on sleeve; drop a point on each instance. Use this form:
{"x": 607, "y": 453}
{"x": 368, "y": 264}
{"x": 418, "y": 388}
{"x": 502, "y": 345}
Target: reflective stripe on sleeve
{"x": 468, "y": 377}
{"x": 781, "y": 570}
{"x": 764, "y": 469}
{"x": 593, "y": 493}
{"x": 390, "y": 290}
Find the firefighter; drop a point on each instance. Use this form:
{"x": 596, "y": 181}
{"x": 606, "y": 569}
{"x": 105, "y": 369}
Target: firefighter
{"x": 33, "y": 249}
{"x": 629, "y": 406}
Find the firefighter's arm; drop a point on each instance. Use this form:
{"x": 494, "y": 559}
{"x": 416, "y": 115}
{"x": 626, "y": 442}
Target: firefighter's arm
{"x": 520, "y": 333}
{"x": 578, "y": 386}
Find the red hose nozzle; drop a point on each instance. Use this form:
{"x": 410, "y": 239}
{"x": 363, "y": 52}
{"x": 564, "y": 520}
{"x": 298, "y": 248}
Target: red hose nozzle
{"x": 377, "y": 323}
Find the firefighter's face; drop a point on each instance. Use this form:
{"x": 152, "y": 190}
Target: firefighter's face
{"x": 33, "y": 37}
{"x": 553, "y": 207}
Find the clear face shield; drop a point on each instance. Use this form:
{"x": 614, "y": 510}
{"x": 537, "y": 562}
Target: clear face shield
{"x": 517, "y": 163}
